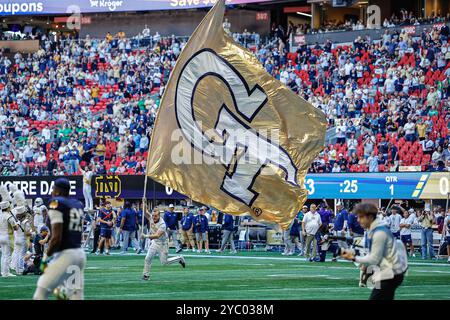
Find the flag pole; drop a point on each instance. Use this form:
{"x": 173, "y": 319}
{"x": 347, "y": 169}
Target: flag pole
{"x": 144, "y": 202}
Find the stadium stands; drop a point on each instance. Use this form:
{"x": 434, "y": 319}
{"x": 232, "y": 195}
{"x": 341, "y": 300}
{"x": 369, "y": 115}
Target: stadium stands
{"x": 73, "y": 102}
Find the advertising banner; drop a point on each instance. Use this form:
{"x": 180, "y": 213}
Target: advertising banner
{"x": 395, "y": 185}
{"x": 31, "y": 7}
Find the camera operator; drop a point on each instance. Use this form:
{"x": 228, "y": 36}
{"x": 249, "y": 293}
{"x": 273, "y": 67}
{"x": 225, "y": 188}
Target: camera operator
{"x": 426, "y": 220}
{"x": 384, "y": 253}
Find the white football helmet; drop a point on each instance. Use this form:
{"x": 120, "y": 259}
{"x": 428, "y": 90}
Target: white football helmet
{"x": 38, "y": 202}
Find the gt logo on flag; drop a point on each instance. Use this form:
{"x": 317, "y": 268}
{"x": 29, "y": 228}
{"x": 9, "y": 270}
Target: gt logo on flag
{"x": 229, "y": 135}
{"x": 237, "y": 137}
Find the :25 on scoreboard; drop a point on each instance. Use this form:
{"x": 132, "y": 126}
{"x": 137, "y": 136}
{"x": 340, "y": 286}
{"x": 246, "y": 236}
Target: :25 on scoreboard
{"x": 397, "y": 185}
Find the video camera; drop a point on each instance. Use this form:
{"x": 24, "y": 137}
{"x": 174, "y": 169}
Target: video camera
{"x": 346, "y": 244}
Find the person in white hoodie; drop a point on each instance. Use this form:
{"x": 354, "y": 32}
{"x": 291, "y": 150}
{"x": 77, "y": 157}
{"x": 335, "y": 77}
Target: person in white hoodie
{"x": 386, "y": 259}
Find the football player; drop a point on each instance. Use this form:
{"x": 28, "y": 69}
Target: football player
{"x": 159, "y": 245}
{"x": 7, "y": 222}
{"x": 65, "y": 260}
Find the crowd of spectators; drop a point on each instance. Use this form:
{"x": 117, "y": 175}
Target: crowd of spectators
{"x": 404, "y": 18}
{"x": 386, "y": 99}
{"x": 95, "y": 100}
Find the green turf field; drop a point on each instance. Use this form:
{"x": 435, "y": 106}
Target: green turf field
{"x": 247, "y": 275}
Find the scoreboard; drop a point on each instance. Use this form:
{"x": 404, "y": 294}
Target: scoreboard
{"x": 395, "y": 185}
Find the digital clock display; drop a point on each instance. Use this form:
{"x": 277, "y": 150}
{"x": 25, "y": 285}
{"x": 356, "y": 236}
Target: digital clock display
{"x": 401, "y": 185}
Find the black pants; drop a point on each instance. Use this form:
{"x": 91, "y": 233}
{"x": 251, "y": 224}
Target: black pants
{"x": 96, "y": 238}
{"x": 387, "y": 288}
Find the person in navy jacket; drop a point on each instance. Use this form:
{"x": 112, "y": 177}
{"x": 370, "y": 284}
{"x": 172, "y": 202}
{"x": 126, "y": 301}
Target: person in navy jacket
{"x": 171, "y": 221}
{"x": 201, "y": 230}
{"x": 227, "y": 233}
{"x": 187, "y": 226}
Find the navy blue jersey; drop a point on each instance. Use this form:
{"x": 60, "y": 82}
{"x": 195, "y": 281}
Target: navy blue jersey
{"x": 171, "y": 220}
{"x": 106, "y": 215}
{"x": 341, "y": 216}
{"x": 295, "y": 228}
{"x": 354, "y": 225}
{"x": 200, "y": 224}
{"x": 187, "y": 221}
{"x": 69, "y": 212}
{"x": 228, "y": 222}
{"x": 130, "y": 217}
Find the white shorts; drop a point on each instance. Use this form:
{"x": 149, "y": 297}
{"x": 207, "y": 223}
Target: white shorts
{"x": 66, "y": 268}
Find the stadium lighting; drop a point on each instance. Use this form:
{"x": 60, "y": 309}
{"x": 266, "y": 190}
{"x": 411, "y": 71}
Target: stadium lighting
{"x": 304, "y": 14}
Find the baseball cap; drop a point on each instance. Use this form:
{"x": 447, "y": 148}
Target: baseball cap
{"x": 43, "y": 228}
{"x": 411, "y": 210}
{"x": 171, "y": 205}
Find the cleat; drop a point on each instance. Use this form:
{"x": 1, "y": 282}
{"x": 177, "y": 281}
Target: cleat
{"x": 9, "y": 275}
{"x": 145, "y": 277}
{"x": 182, "y": 262}
{"x": 233, "y": 252}
{"x": 219, "y": 251}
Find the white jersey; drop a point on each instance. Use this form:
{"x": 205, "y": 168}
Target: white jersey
{"x": 6, "y": 220}
{"x": 407, "y": 231}
{"x": 159, "y": 226}
{"x": 395, "y": 222}
{"x": 87, "y": 177}
{"x": 38, "y": 219}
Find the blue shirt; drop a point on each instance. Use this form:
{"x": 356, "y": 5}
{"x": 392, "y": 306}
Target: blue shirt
{"x": 340, "y": 218}
{"x": 130, "y": 219}
{"x": 187, "y": 221}
{"x": 228, "y": 222}
{"x": 295, "y": 227}
{"x": 354, "y": 225}
{"x": 72, "y": 216}
{"x": 325, "y": 216}
{"x": 171, "y": 220}
{"x": 201, "y": 224}
{"x": 106, "y": 215}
